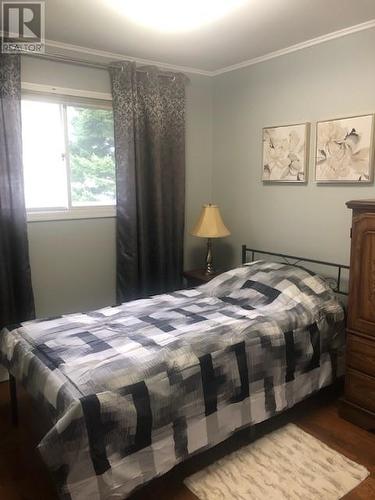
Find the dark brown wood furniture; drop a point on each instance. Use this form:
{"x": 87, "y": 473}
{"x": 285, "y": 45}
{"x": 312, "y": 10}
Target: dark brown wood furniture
{"x": 358, "y": 405}
{"x": 198, "y": 277}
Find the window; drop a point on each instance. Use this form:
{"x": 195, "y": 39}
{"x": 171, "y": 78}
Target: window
{"x": 68, "y": 158}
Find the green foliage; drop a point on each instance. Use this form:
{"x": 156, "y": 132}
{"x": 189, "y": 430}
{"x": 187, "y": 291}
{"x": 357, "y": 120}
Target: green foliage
{"x": 91, "y": 147}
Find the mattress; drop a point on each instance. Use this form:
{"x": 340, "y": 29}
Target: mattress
{"x": 135, "y": 389}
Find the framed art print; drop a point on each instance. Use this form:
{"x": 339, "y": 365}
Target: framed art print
{"x": 285, "y": 156}
{"x": 344, "y": 150}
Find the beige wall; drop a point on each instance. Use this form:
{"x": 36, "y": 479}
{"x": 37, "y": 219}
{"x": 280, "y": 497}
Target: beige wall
{"x": 334, "y": 79}
{"x": 73, "y": 262}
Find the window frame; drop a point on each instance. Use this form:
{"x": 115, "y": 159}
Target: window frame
{"x": 68, "y": 97}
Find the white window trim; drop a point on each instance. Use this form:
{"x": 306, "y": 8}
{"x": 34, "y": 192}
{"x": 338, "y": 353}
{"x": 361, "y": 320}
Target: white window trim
{"x": 97, "y": 212}
{"x": 74, "y": 213}
{"x": 64, "y": 91}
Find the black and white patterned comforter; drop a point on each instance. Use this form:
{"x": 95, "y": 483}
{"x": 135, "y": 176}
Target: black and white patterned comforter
{"x": 133, "y": 390}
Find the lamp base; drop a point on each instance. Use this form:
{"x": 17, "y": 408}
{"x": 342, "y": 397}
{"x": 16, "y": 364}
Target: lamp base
{"x": 209, "y": 269}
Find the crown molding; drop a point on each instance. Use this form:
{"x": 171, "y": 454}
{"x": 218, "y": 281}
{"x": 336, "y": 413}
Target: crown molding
{"x": 299, "y": 46}
{"x": 113, "y": 56}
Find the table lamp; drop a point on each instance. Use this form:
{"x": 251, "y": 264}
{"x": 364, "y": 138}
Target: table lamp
{"x": 210, "y": 225}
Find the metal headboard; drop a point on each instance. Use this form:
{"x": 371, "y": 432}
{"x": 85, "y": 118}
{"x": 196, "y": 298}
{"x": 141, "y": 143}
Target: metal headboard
{"x": 297, "y": 260}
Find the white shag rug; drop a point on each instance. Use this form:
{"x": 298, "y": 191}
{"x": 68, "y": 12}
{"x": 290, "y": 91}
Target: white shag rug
{"x": 286, "y": 464}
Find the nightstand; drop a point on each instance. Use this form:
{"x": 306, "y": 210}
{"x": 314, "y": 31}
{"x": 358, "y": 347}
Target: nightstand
{"x": 198, "y": 277}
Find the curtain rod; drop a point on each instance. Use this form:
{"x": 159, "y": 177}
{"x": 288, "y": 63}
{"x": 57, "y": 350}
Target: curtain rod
{"x": 81, "y": 62}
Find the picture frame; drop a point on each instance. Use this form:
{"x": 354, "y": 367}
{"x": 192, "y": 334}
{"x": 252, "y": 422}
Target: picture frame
{"x": 344, "y": 150}
{"x": 285, "y": 153}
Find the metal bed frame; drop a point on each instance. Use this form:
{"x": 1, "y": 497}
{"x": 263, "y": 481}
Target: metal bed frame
{"x": 337, "y": 288}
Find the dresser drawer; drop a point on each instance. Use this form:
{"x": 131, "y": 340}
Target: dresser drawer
{"x": 361, "y": 354}
{"x": 360, "y": 389}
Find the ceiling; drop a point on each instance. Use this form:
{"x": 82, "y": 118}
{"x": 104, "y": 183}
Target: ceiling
{"x": 252, "y": 30}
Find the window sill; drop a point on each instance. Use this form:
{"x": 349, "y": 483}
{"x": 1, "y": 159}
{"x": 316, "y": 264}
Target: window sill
{"x": 72, "y": 214}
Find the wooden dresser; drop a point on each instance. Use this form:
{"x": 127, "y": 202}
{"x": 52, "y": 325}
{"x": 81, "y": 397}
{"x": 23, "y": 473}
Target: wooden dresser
{"x": 358, "y": 404}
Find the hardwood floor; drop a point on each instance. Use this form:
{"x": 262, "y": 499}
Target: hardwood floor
{"x": 23, "y": 476}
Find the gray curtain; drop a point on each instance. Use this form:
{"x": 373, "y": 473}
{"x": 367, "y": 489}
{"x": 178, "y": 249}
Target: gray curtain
{"x": 16, "y": 295}
{"x": 149, "y": 120}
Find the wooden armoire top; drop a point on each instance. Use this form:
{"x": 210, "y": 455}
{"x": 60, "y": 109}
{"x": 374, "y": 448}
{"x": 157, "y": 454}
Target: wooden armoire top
{"x": 362, "y": 204}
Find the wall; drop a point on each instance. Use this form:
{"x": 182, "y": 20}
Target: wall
{"x": 73, "y": 262}
{"x": 334, "y": 79}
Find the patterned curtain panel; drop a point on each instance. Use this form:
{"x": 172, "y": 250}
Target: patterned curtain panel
{"x": 149, "y": 118}
{"x": 16, "y": 295}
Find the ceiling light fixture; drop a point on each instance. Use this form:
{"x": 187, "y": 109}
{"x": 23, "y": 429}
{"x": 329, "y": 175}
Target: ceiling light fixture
{"x": 175, "y": 15}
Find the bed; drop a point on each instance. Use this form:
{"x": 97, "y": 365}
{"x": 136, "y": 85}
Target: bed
{"x": 135, "y": 389}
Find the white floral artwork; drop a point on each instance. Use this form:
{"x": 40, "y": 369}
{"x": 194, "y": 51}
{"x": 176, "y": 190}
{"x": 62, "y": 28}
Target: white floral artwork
{"x": 343, "y": 150}
{"x": 284, "y": 153}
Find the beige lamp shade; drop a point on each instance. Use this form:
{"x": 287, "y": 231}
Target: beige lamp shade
{"x": 210, "y": 224}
